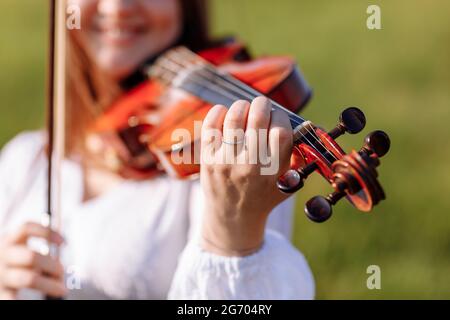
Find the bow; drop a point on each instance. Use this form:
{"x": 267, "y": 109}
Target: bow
{"x": 55, "y": 112}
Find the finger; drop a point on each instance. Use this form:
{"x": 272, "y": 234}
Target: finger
{"x": 280, "y": 140}
{"x": 212, "y": 133}
{"x": 259, "y": 113}
{"x": 214, "y": 119}
{"x": 23, "y": 257}
{"x": 17, "y": 278}
{"x": 235, "y": 121}
{"x": 31, "y": 229}
{"x": 257, "y": 127}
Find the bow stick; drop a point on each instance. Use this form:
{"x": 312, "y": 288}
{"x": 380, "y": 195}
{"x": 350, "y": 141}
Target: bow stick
{"x": 55, "y": 113}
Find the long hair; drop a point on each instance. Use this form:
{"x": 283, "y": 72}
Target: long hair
{"x": 90, "y": 92}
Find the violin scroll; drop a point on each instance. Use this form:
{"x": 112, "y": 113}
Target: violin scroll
{"x": 352, "y": 176}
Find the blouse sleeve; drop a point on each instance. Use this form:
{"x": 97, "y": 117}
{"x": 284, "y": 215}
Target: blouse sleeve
{"x": 16, "y": 172}
{"x": 276, "y": 271}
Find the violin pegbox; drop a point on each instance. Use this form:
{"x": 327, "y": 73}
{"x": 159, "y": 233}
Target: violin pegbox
{"x": 352, "y": 176}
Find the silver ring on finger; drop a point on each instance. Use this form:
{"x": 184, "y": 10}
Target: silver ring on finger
{"x": 234, "y": 143}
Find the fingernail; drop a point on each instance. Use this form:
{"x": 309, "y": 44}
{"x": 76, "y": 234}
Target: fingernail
{"x": 265, "y": 100}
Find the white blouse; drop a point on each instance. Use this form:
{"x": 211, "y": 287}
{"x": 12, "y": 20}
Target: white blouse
{"x": 140, "y": 239}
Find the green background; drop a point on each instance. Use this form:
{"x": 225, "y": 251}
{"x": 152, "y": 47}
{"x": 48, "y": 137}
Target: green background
{"x": 398, "y": 75}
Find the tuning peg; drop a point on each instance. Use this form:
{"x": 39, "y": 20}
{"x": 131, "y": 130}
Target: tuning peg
{"x": 377, "y": 142}
{"x": 351, "y": 120}
{"x": 293, "y": 180}
{"x": 290, "y": 182}
{"x": 319, "y": 209}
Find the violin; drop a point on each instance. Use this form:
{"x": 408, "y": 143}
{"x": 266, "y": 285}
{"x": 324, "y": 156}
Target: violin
{"x": 189, "y": 84}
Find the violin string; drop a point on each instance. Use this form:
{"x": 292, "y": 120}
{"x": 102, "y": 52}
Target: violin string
{"x": 168, "y": 67}
{"x": 241, "y": 86}
{"x": 234, "y": 83}
{"x": 226, "y": 81}
{"x": 332, "y": 145}
{"x": 179, "y": 65}
{"x": 200, "y": 81}
{"x": 174, "y": 66}
{"x": 175, "y": 69}
{"x": 243, "y": 94}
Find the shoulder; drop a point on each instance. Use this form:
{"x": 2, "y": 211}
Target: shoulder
{"x": 22, "y": 150}
{"x": 27, "y": 140}
{"x": 17, "y": 159}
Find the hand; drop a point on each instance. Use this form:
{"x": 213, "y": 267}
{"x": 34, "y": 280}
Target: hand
{"x": 22, "y": 268}
{"x": 239, "y": 197}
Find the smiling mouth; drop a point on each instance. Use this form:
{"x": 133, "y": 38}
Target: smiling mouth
{"x": 120, "y": 34}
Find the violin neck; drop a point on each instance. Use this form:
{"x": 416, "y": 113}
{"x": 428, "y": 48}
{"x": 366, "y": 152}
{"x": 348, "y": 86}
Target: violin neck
{"x": 225, "y": 90}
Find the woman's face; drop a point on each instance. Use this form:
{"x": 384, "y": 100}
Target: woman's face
{"x": 118, "y": 35}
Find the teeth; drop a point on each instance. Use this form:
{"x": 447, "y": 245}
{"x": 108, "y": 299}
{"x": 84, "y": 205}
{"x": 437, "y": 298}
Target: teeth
{"x": 118, "y": 32}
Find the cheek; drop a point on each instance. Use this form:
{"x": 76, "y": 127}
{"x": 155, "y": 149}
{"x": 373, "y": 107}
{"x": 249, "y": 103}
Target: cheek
{"x": 165, "y": 18}
{"x": 162, "y": 13}
{"x": 165, "y": 27}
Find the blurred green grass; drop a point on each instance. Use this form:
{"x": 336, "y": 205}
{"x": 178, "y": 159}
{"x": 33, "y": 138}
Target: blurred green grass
{"x": 398, "y": 75}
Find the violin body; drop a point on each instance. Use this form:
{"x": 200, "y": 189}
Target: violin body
{"x": 183, "y": 87}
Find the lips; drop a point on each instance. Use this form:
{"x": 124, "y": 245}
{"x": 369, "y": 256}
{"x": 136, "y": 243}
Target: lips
{"x": 120, "y": 33}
